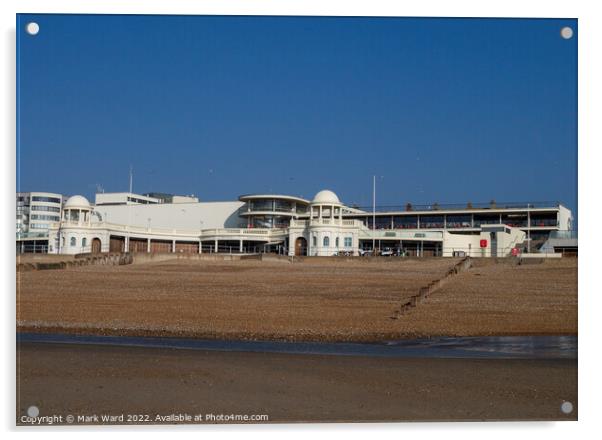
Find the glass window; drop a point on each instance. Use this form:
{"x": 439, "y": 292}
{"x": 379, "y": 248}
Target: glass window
{"x": 283, "y": 205}
{"x": 281, "y": 222}
{"x": 431, "y": 221}
{"x": 83, "y": 242}
{"x": 382, "y": 222}
{"x": 45, "y": 199}
{"x": 45, "y": 208}
{"x": 515, "y": 220}
{"x": 53, "y": 218}
{"x": 486, "y": 219}
{"x": 326, "y": 241}
{"x": 315, "y": 240}
{"x": 301, "y": 209}
{"x": 39, "y": 226}
{"x": 539, "y": 220}
{"x": 72, "y": 242}
{"x": 459, "y": 221}
{"x": 261, "y": 221}
{"x": 348, "y": 241}
{"x": 262, "y": 205}
{"x": 336, "y": 241}
{"x": 405, "y": 222}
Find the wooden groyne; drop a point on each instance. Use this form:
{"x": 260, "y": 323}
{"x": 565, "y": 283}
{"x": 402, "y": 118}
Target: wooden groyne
{"x": 426, "y": 291}
{"x": 116, "y": 259}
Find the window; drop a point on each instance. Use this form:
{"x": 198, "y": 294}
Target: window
{"x": 336, "y": 242}
{"x": 137, "y": 200}
{"x": 314, "y": 241}
{"x": 405, "y": 222}
{"x": 262, "y": 205}
{"x": 459, "y": 221}
{"x": 72, "y": 242}
{"x": 39, "y": 226}
{"x": 45, "y": 208}
{"x": 348, "y": 241}
{"x": 431, "y": 221}
{"x": 326, "y": 241}
{"x": 382, "y": 222}
{"x": 45, "y": 199}
{"x": 283, "y": 206}
{"x": 262, "y": 221}
{"x": 83, "y": 242}
{"x": 516, "y": 220}
{"x": 54, "y": 218}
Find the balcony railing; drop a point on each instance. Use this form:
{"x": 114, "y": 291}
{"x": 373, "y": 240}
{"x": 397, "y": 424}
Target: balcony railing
{"x": 243, "y": 231}
{"x": 535, "y": 223}
{"x": 572, "y": 235}
{"x": 32, "y": 235}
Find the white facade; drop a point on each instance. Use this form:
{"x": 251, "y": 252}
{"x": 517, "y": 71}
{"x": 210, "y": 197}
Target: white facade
{"x": 178, "y": 216}
{"x": 316, "y": 228}
{"x": 123, "y": 198}
{"x": 565, "y": 219}
{"x": 325, "y": 232}
{"x": 37, "y": 212}
{"x": 184, "y": 199}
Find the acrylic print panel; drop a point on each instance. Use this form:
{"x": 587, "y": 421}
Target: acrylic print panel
{"x": 295, "y": 219}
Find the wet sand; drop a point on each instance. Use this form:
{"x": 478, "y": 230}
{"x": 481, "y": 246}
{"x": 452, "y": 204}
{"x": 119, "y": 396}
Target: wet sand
{"x": 313, "y": 300}
{"x": 87, "y": 380}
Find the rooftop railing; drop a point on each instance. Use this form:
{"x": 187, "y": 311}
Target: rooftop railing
{"x": 461, "y": 206}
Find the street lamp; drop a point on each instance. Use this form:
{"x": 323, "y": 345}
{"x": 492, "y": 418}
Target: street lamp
{"x": 374, "y": 213}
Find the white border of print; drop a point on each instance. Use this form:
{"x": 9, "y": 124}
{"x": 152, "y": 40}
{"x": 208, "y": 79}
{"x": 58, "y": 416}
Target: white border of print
{"x": 590, "y": 72}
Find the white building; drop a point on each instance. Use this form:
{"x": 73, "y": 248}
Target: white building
{"x": 123, "y": 198}
{"x": 292, "y": 225}
{"x": 36, "y": 213}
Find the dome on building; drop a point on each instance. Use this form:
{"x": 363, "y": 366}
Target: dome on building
{"x": 326, "y": 197}
{"x": 77, "y": 202}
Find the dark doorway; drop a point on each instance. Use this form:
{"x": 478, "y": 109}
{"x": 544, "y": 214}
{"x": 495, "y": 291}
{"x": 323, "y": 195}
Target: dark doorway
{"x": 96, "y": 246}
{"x": 300, "y": 247}
{"x": 493, "y": 244}
{"x": 117, "y": 244}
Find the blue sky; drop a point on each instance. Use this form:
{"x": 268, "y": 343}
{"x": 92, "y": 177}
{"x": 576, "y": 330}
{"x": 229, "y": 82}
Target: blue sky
{"x": 445, "y": 110}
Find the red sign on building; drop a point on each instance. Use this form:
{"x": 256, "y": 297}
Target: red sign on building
{"x": 483, "y": 243}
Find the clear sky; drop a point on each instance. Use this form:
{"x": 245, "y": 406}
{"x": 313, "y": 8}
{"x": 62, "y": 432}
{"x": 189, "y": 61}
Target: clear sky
{"x": 442, "y": 110}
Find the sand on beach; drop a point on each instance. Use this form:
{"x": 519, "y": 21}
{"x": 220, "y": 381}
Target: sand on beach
{"x": 314, "y": 300}
{"x": 79, "y": 380}
{"x": 501, "y": 299}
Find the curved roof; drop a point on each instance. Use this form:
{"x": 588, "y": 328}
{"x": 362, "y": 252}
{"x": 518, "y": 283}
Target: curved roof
{"x": 326, "y": 196}
{"x": 247, "y": 197}
{"x": 77, "y": 202}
